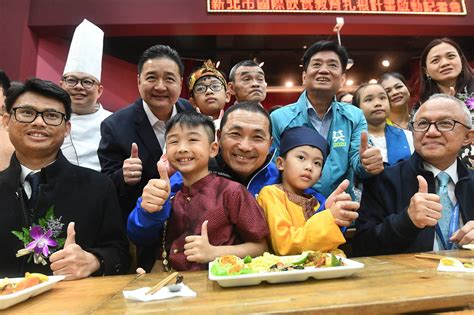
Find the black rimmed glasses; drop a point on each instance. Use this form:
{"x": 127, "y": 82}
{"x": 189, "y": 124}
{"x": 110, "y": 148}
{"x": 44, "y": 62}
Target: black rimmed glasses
{"x": 424, "y": 125}
{"x": 202, "y": 88}
{"x": 86, "y": 83}
{"x": 28, "y": 115}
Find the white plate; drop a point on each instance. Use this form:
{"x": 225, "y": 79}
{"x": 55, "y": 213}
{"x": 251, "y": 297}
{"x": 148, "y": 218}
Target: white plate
{"x": 20, "y": 296}
{"x": 469, "y": 246}
{"x": 351, "y": 266}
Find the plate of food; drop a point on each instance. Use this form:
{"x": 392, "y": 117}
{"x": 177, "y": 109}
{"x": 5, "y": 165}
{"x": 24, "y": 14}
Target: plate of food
{"x": 16, "y": 290}
{"x": 232, "y": 271}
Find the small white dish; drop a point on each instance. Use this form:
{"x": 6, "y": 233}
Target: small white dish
{"x": 20, "y": 296}
{"x": 469, "y": 246}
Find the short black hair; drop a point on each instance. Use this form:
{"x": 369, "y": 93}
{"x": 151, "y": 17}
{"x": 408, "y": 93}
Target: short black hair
{"x": 192, "y": 119}
{"x": 160, "y": 51}
{"x": 4, "y": 81}
{"x": 326, "y": 45}
{"x": 42, "y": 87}
{"x": 248, "y": 106}
{"x": 243, "y": 63}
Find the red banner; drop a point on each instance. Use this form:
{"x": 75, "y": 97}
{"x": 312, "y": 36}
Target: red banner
{"x": 425, "y": 7}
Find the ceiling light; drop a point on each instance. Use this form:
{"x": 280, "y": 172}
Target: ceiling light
{"x": 301, "y": 66}
{"x": 372, "y": 81}
{"x": 218, "y": 63}
{"x": 386, "y": 63}
{"x": 261, "y": 64}
{"x": 349, "y": 82}
{"x": 289, "y": 84}
{"x": 304, "y": 47}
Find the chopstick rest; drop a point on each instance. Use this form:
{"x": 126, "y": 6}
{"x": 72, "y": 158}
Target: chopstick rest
{"x": 162, "y": 283}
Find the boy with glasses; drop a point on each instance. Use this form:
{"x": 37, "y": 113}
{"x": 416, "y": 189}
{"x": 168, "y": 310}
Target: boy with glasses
{"x": 81, "y": 80}
{"x": 209, "y": 93}
{"x": 423, "y": 203}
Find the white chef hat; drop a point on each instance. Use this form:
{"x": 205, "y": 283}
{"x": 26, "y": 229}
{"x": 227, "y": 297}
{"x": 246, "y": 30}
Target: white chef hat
{"x": 85, "y": 53}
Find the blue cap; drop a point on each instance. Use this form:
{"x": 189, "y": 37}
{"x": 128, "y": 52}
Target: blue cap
{"x": 300, "y": 136}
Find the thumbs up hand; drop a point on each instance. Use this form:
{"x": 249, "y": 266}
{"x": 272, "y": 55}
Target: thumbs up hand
{"x": 71, "y": 235}
{"x": 425, "y": 208}
{"x": 197, "y": 247}
{"x": 72, "y": 261}
{"x": 370, "y": 157}
{"x": 157, "y": 191}
{"x": 132, "y": 167}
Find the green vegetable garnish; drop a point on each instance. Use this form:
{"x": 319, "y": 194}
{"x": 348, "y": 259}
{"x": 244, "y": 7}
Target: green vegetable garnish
{"x": 301, "y": 259}
{"x": 247, "y": 259}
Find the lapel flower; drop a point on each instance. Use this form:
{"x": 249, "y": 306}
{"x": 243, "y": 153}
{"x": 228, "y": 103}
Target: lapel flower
{"x": 40, "y": 240}
{"x": 467, "y": 98}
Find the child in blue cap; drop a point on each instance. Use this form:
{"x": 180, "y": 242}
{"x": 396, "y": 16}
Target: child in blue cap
{"x": 295, "y": 212}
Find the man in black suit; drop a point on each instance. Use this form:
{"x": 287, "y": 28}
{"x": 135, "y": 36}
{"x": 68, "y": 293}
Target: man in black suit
{"x": 39, "y": 178}
{"x": 133, "y": 138}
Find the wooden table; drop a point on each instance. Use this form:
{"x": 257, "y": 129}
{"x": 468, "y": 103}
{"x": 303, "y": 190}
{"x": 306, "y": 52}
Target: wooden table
{"x": 387, "y": 284}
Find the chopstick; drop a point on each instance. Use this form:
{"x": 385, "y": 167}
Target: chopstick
{"x": 162, "y": 283}
{"x": 439, "y": 257}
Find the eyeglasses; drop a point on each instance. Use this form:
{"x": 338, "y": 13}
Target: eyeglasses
{"x": 201, "y": 88}
{"x": 441, "y": 125}
{"x": 28, "y": 115}
{"x": 86, "y": 83}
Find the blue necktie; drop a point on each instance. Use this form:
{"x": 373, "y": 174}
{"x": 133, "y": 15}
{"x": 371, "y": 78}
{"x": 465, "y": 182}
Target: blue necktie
{"x": 34, "y": 179}
{"x": 447, "y": 212}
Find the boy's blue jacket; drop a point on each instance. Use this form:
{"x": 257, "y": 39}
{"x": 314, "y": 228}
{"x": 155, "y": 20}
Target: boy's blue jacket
{"x": 344, "y": 140}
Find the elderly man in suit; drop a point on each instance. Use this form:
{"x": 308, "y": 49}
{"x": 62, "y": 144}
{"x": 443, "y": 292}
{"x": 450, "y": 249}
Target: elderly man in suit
{"x": 133, "y": 138}
{"x": 426, "y": 202}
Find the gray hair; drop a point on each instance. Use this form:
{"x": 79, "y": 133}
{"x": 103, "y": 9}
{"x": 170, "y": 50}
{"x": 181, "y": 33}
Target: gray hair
{"x": 459, "y": 103}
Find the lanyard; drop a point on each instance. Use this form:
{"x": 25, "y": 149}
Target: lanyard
{"x": 453, "y": 227}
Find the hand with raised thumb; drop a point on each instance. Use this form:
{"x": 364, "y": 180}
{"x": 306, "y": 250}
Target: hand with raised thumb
{"x": 452, "y": 91}
{"x": 71, "y": 235}
{"x": 132, "y": 167}
{"x": 339, "y": 190}
{"x": 157, "y": 191}
{"x": 197, "y": 247}
{"x": 370, "y": 157}
{"x": 422, "y": 184}
{"x": 72, "y": 261}
{"x": 424, "y": 208}
{"x": 364, "y": 142}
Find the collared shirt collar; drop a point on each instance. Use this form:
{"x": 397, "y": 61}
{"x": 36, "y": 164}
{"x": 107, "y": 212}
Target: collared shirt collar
{"x": 310, "y": 107}
{"x": 152, "y": 118}
{"x": 157, "y": 124}
{"x": 451, "y": 170}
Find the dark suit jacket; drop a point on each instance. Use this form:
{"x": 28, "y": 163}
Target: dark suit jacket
{"x": 119, "y": 131}
{"x": 384, "y": 226}
{"x": 78, "y": 194}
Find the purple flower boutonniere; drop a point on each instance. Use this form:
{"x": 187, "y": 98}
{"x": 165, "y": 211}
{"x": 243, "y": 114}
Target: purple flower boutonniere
{"x": 40, "y": 240}
{"x": 467, "y": 98}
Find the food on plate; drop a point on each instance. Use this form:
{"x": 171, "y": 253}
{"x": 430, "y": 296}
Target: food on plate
{"x": 453, "y": 262}
{"x": 230, "y": 265}
{"x": 7, "y": 286}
